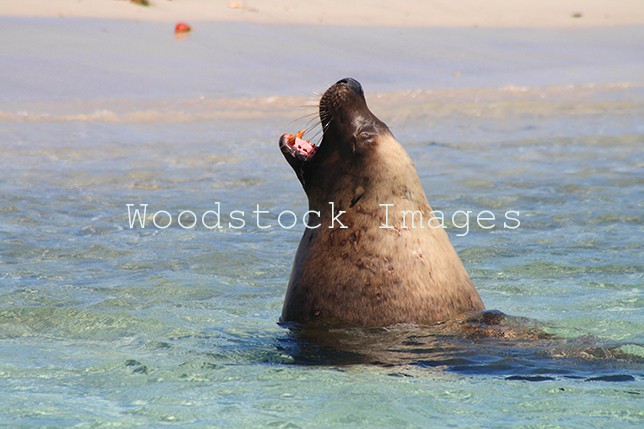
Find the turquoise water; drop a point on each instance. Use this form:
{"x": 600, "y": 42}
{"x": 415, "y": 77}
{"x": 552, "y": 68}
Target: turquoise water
{"x": 106, "y": 325}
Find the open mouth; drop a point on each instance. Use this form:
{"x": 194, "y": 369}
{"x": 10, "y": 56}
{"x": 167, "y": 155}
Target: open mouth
{"x": 297, "y": 147}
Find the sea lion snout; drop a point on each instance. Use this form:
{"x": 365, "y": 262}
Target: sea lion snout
{"x": 341, "y": 102}
{"x": 352, "y": 84}
{"x": 346, "y": 119}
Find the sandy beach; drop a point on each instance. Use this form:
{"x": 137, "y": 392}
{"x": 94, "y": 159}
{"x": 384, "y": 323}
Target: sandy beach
{"x": 116, "y": 61}
{"x": 107, "y": 49}
{"x": 434, "y": 13}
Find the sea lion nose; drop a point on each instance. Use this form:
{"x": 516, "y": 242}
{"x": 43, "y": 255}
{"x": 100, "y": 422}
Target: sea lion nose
{"x": 352, "y": 84}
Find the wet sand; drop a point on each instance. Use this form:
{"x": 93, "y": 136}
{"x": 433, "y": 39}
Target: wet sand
{"x": 434, "y": 13}
{"x": 52, "y": 59}
{"x": 94, "y": 51}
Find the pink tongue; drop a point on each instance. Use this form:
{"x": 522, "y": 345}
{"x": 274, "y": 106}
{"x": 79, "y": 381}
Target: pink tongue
{"x": 304, "y": 147}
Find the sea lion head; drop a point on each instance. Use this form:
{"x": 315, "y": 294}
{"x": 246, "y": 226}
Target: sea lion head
{"x": 350, "y": 154}
{"x": 348, "y": 123}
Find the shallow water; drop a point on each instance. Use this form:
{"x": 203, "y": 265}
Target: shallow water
{"x": 105, "y": 324}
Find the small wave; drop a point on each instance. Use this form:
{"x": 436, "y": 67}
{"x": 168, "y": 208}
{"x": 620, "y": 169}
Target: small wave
{"x": 444, "y": 101}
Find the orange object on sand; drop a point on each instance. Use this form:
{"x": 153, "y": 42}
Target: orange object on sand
{"x": 182, "y": 27}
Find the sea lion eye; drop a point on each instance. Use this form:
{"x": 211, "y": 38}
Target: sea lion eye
{"x": 364, "y": 139}
{"x": 367, "y": 136}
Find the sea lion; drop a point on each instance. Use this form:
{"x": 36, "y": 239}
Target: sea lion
{"x": 364, "y": 275}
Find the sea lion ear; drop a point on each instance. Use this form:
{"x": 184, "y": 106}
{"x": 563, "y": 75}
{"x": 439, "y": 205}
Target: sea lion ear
{"x": 364, "y": 139}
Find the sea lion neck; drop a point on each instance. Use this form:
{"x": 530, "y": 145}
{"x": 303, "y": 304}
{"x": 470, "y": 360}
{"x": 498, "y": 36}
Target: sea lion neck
{"x": 364, "y": 178}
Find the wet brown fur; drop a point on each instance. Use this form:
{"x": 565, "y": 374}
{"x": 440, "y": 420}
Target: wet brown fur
{"x": 367, "y": 276}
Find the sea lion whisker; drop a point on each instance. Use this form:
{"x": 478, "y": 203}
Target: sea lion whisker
{"x": 320, "y": 93}
{"x": 324, "y": 124}
{"x": 324, "y": 115}
{"x": 311, "y": 116}
{"x": 316, "y": 136}
{"x": 315, "y": 131}
{"x": 319, "y": 134}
